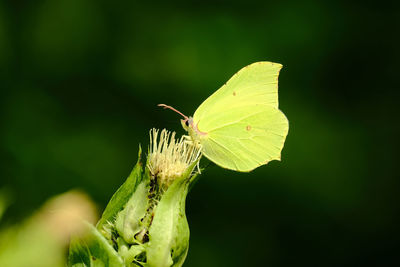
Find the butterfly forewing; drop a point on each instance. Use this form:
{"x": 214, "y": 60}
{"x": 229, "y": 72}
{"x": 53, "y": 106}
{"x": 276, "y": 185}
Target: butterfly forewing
{"x": 256, "y": 84}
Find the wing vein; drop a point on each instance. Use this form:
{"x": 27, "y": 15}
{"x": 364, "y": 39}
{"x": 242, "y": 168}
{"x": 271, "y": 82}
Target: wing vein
{"x": 224, "y": 125}
{"x": 257, "y": 85}
{"x": 226, "y": 150}
{"x": 249, "y": 151}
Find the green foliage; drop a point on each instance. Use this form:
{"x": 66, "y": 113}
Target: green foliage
{"x": 143, "y": 225}
{"x": 169, "y": 232}
{"x": 93, "y": 250}
{"x": 127, "y": 222}
{"x": 96, "y": 248}
{"x": 123, "y": 194}
{"x": 41, "y": 240}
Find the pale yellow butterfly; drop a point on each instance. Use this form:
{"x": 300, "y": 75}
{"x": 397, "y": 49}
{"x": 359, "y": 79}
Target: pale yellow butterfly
{"x": 240, "y": 127}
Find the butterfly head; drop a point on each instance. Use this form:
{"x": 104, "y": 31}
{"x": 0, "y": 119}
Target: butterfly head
{"x": 187, "y": 123}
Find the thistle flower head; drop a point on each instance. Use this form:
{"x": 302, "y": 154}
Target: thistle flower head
{"x": 169, "y": 157}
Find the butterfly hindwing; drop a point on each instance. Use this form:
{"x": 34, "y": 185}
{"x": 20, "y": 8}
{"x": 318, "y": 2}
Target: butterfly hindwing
{"x": 246, "y": 138}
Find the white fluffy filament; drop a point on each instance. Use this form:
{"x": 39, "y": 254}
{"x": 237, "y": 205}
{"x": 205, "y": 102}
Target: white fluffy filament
{"x": 168, "y": 157}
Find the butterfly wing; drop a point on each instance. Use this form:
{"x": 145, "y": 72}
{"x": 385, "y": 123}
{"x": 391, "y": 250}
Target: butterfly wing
{"x": 253, "y": 84}
{"x": 246, "y": 138}
{"x": 243, "y": 125}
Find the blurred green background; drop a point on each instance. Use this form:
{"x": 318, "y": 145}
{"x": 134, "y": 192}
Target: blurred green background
{"x": 80, "y": 80}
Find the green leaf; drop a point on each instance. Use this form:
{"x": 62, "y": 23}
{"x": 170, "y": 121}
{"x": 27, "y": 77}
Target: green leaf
{"x": 130, "y": 254}
{"x": 123, "y": 194}
{"x": 128, "y": 221}
{"x": 169, "y": 231}
{"x": 93, "y": 250}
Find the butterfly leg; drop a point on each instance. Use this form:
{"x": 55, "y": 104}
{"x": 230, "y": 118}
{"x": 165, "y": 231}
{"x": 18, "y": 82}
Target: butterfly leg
{"x": 189, "y": 140}
{"x": 194, "y": 145}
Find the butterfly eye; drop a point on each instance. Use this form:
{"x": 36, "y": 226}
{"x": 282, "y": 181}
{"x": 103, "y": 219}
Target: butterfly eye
{"x": 187, "y": 123}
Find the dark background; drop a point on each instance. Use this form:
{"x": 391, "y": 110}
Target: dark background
{"x": 80, "y": 80}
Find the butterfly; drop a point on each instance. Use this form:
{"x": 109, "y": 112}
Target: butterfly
{"x": 240, "y": 127}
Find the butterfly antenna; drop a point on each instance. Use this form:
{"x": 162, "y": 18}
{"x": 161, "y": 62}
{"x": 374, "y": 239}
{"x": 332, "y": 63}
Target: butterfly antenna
{"x": 173, "y": 109}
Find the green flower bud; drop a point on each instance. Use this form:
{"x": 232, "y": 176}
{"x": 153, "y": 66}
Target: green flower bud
{"x": 144, "y": 223}
{"x": 128, "y": 222}
{"x": 168, "y": 158}
{"x": 169, "y": 231}
{"x": 171, "y": 164}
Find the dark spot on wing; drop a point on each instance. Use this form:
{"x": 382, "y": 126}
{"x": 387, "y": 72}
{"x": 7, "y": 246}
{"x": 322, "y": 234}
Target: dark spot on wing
{"x": 234, "y": 93}
{"x": 248, "y": 127}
